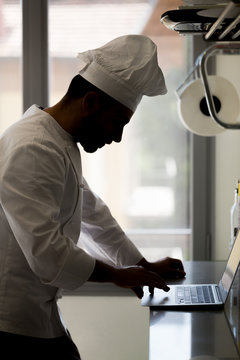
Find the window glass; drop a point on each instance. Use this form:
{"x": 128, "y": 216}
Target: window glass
{"x": 145, "y": 178}
{"x": 10, "y": 62}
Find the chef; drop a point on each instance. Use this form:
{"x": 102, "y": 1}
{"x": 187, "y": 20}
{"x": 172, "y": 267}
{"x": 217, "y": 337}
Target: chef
{"x": 55, "y": 232}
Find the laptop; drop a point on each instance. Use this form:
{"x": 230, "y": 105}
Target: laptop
{"x": 199, "y": 296}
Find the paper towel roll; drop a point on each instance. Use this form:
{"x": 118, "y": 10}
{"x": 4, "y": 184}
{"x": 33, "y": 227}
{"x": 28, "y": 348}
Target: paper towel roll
{"x": 193, "y": 110}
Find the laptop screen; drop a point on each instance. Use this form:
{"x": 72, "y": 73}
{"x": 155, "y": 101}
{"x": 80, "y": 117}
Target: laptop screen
{"x": 232, "y": 265}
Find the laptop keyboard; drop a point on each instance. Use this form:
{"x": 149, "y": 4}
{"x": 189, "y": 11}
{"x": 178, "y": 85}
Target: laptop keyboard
{"x": 200, "y": 294}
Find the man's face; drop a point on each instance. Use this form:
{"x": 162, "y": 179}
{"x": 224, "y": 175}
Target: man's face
{"x": 103, "y": 127}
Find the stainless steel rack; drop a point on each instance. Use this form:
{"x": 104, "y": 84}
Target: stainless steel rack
{"x": 224, "y": 32}
{"x": 231, "y": 28}
{"x": 215, "y": 22}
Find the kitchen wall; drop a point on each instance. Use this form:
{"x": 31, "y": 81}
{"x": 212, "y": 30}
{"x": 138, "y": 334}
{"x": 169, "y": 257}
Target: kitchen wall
{"x": 227, "y": 165}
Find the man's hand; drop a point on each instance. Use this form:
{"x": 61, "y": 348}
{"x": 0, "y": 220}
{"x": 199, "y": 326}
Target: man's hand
{"x": 135, "y": 277}
{"x": 132, "y": 277}
{"x": 167, "y": 268}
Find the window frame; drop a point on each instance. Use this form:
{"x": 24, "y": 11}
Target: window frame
{"x": 202, "y": 200}
{"x": 35, "y": 63}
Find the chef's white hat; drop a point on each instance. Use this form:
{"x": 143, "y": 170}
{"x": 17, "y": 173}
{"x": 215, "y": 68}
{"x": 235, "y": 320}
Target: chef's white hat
{"x": 126, "y": 68}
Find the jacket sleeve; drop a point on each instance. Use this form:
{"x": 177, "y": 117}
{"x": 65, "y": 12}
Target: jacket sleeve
{"x": 102, "y": 236}
{"x": 32, "y": 188}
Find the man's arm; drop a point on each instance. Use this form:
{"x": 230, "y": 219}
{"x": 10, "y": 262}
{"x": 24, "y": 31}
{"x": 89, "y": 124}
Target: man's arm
{"x": 102, "y": 236}
{"x": 116, "y": 249}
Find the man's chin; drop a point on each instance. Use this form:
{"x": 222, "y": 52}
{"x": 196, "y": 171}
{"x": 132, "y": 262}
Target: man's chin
{"x": 88, "y": 150}
{"x": 92, "y": 149}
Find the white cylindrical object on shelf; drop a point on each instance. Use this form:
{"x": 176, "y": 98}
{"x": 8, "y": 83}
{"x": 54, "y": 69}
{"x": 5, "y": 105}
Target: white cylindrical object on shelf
{"x": 193, "y": 110}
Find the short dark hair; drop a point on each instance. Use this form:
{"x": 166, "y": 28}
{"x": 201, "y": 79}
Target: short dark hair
{"x": 79, "y": 87}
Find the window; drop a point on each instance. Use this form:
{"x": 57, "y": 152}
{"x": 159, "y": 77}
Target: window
{"x": 145, "y": 179}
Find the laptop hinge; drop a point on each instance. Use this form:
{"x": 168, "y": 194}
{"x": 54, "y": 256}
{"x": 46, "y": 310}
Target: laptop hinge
{"x": 223, "y": 293}
{"x": 218, "y": 292}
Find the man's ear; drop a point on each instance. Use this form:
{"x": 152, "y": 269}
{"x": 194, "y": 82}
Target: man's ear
{"x": 90, "y": 103}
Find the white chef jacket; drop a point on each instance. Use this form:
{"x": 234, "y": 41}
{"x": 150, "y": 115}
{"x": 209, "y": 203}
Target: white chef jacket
{"x": 43, "y": 202}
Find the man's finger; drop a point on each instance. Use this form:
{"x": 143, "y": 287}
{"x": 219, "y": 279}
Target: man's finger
{"x": 151, "y": 290}
{"x": 138, "y": 291}
{"x": 157, "y": 281}
{"x": 177, "y": 264}
{"x": 175, "y": 273}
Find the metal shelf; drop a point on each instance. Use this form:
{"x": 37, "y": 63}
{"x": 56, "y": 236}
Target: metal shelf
{"x": 224, "y": 32}
{"x": 230, "y": 29}
{"x": 215, "y": 22}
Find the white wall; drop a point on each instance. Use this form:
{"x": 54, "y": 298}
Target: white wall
{"x": 107, "y": 328}
{"x": 227, "y": 164}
